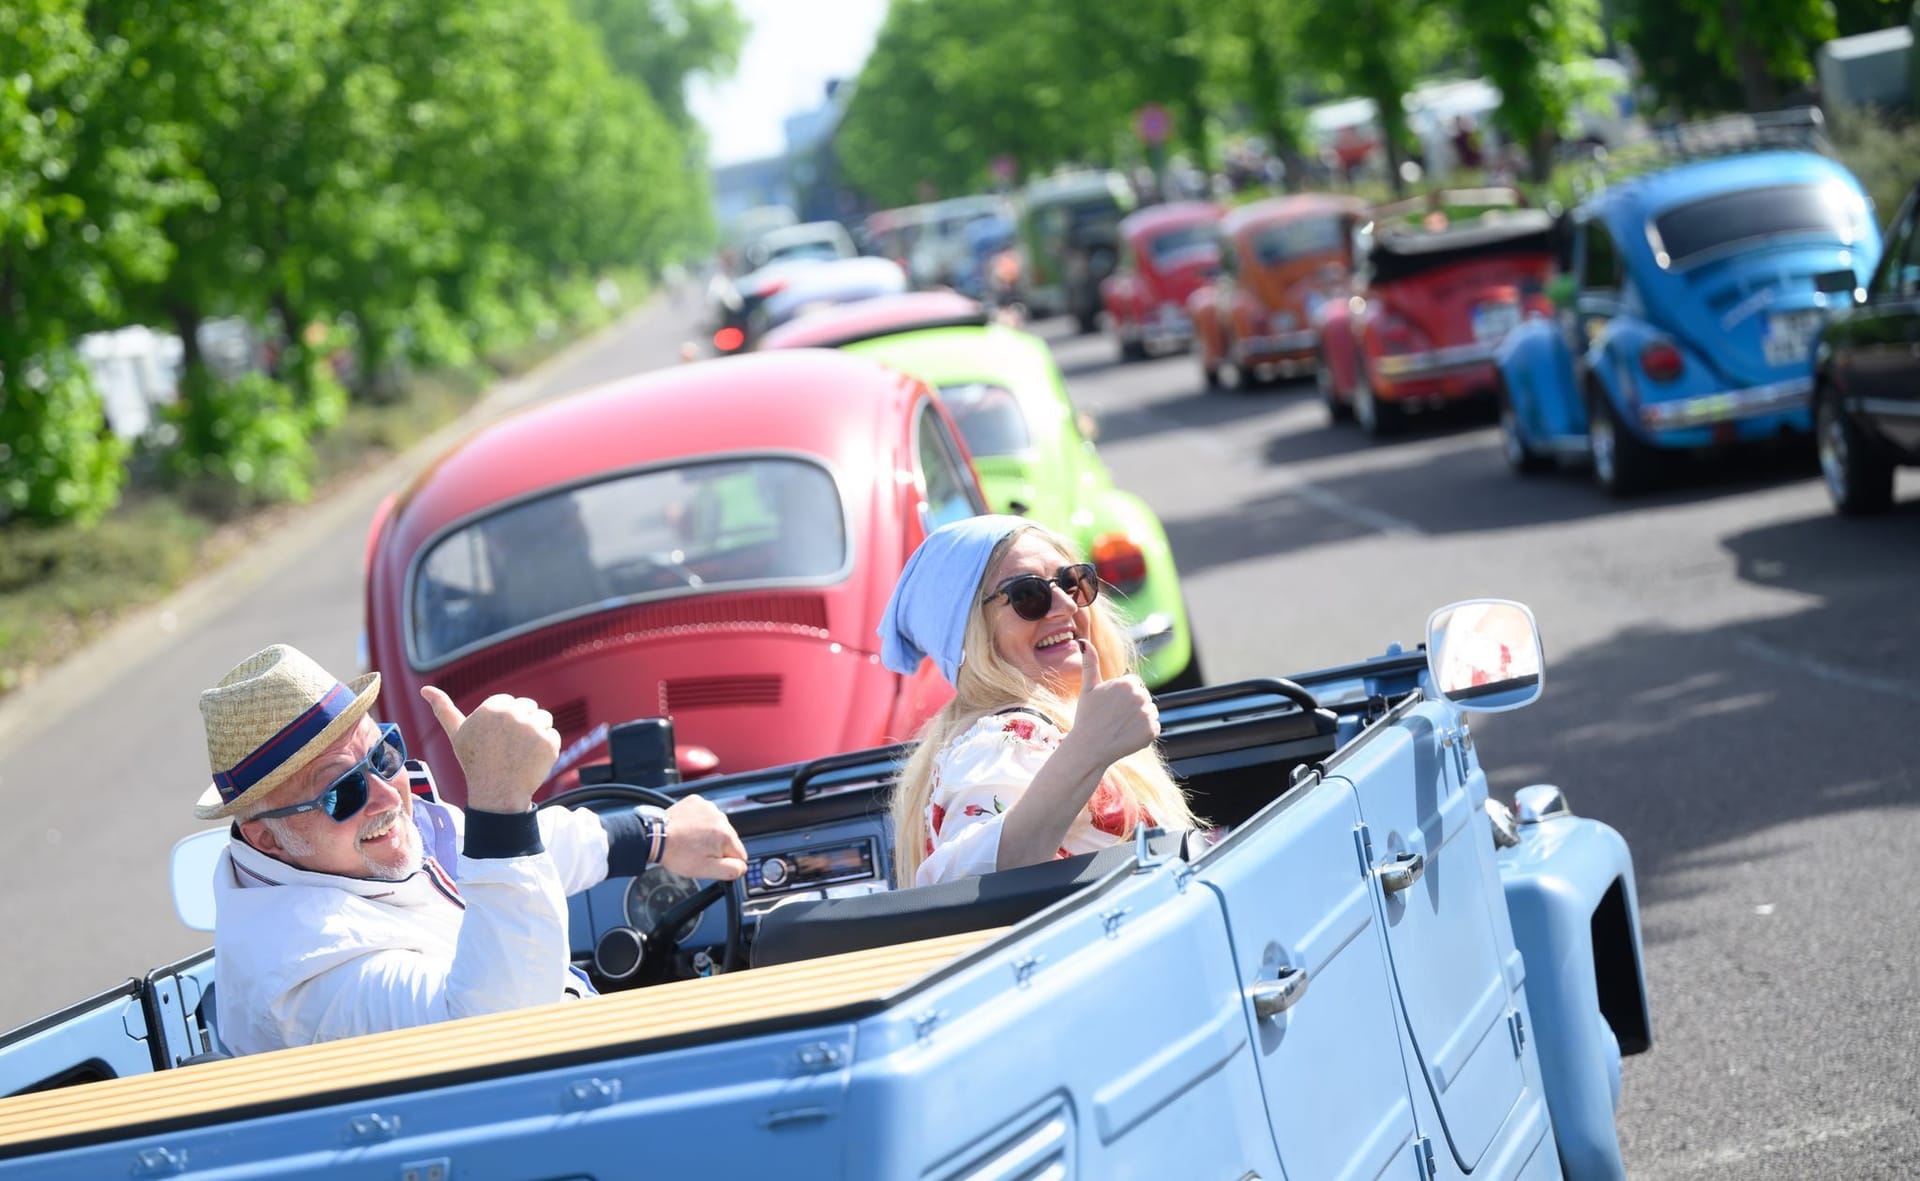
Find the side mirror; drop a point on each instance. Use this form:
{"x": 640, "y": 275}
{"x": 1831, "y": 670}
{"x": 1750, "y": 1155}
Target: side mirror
{"x": 191, "y": 867}
{"x": 1484, "y": 655}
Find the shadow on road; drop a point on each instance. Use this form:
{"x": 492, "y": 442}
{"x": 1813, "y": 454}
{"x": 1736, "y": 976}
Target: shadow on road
{"x": 1197, "y": 408}
{"x": 1689, "y": 742}
{"x": 1482, "y": 495}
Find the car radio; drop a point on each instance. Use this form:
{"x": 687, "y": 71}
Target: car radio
{"x": 812, "y": 867}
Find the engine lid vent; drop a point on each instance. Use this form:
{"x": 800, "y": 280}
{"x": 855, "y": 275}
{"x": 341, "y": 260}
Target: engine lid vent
{"x": 717, "y": 692}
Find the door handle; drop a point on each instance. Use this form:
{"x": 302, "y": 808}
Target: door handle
{"x": 1273, "y": 997}
{"x": 1399, "y": 872}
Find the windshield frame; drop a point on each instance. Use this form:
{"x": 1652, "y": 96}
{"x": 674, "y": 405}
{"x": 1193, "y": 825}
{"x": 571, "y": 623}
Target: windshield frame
{"x": 417, "y": 560}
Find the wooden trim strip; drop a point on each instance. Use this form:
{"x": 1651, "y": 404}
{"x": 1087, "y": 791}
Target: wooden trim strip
{"x": 629, "y": 1022}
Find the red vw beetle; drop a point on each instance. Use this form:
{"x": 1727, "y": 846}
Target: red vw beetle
{"x": 1166, "y": 253}
{"x": 1280, "y": 260}
{"x": 1438, "y": 280}
{"x": 713, "y": 542}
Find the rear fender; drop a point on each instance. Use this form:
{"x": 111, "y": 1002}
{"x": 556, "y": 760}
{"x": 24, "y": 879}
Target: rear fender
{"x": 1203, "y": 309}
{"x": 1536, "y": 367}
{"x": 1576, "y": 920}
{"x": 1114, "y": 511}
{"x": 1338, "y": 354}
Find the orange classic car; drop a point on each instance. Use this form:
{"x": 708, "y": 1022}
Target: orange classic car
{"x": 1280, "y": 259}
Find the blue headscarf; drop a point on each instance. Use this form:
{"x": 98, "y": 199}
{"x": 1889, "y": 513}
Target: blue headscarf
{"x": 927, "y": 615}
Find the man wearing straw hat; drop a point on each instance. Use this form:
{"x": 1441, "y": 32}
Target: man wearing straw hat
{"x": 346, "y": 905}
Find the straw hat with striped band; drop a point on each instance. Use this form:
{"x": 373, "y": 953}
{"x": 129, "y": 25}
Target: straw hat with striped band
{"x": 267, "y": 718}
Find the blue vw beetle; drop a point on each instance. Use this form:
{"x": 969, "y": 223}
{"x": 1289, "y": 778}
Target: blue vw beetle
{"x": 1687, "y": 309}
{"x": 1367, "y": 969}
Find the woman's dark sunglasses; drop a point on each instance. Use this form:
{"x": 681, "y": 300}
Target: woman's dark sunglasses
{"x": 1031, "y": 596}
{"x": 346, "y": 795}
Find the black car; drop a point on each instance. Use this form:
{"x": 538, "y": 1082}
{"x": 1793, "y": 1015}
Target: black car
{"x": 1866, "y": 408}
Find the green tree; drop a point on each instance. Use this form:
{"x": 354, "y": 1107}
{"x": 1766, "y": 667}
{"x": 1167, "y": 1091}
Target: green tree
{"x": 1524, "y": 47}
{"x": 1376, "y": 48}
{"x": 665, "y": 42}
{"x": 85, "y": 191}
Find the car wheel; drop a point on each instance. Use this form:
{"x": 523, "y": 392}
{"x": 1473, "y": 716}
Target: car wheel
{"x": 1622, "y": 464}
{"x": 1523, "y": 459}
{"x": 1377, "y": 418}
{"x": 1132, "y": 348}
{"x": 1232, "y": 376}
{"x": 1859, "y": 480}
{"x": 1337, "y": 410}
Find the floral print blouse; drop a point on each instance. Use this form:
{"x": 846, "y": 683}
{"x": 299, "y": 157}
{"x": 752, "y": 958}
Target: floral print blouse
{"x": 981, "y": 773}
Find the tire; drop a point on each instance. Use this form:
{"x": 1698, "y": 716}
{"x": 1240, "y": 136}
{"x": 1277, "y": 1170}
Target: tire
{"x": 1231, "y": 376}
{"x": 1131, "y": 350}
{"x": 1378, "y": 419}
{"x": 1337, "y": 411}
{"x": 1859, "y": 479}
{"x": 1523, "y": 459}
{"x": 1622, "y": 464}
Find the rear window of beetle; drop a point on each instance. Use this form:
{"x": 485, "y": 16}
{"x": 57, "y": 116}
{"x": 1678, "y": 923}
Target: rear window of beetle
{"x": 1298, "y": 238}
{"x": 660, "y": 533}
{"x": 988, "y": 416}
{"x": 1720, "y": 224}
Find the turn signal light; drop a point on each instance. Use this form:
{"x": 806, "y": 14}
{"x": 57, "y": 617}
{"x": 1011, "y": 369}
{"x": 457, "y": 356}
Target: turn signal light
{"x": 1120, "y": 563}
{"x": 728, "y": 340}
{"x": 1661, "y": 361}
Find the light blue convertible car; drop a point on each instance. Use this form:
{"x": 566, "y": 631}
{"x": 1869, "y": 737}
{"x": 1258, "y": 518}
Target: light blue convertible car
{"x": 1688, "y": 308}
{"x": 1367, "y": 970}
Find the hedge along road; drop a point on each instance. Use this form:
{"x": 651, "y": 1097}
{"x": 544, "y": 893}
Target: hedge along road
{"x": 102, "y": 758}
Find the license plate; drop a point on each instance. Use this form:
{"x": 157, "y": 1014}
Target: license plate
{"x": 1491, "y": 321}
{"x": 1789, "y": 338}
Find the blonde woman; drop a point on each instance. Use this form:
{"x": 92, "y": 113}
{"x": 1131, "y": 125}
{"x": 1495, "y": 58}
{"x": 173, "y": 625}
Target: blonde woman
{"x": 1046, "y": 749}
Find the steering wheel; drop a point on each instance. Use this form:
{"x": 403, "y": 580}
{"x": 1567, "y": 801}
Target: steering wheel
{"x": 656, "y": 943}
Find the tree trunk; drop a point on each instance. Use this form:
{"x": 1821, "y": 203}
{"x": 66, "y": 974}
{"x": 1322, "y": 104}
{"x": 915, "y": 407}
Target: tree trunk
{"x": 1756, "y": 81}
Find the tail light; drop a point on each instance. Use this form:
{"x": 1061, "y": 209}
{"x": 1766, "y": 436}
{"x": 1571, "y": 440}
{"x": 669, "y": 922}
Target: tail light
{"x": 729, "y": 339}
{"x": 1661, "y": 361}
{"x": 1120, "y": 563}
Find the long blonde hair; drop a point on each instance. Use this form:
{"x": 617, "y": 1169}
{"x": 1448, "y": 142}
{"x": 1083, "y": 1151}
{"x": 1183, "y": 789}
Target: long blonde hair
{"x": 987, "y": 683}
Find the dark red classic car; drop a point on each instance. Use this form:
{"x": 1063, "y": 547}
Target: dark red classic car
{"x": 1166, "y": 253}
{"x": 714, "y": 542}
{"x": 1438, "y": 280}
{"x": 1280, "y": 259}
{"x": 882, "y": 316}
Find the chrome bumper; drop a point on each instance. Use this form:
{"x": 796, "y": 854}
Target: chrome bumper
{"x": 1152, "y": 633}
{"x": 1730, "y": 406}
{"x": 1436, "y": 363}
{"x": 1280, "y": 342}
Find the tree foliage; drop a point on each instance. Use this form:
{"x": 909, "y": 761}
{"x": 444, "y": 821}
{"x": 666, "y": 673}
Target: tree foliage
{"x": 418, "y": 175}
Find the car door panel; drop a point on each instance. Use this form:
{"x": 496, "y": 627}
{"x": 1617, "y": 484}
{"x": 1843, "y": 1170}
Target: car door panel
{"x": 1297, "y": 900}
{"x": 1447, "y": 948}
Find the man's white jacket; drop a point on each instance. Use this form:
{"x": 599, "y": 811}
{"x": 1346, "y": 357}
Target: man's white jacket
{"x": 309, "y": 957}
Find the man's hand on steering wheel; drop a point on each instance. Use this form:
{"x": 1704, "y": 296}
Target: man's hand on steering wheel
{"x": 701, "y": 842}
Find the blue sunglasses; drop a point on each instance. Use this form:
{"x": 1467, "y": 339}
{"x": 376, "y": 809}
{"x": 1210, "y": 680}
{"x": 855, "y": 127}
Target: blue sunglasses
{"x": 346, "y": 795}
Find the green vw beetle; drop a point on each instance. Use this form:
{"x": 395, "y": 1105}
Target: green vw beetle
{"x": 1033, "y": 452}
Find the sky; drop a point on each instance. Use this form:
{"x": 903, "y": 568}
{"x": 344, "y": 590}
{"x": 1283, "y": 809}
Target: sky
{"x": 792, "y": 48}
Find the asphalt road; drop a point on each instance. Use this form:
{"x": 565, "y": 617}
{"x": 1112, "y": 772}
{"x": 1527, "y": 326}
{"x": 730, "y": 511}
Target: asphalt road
{"x": 1731, "y": 674}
